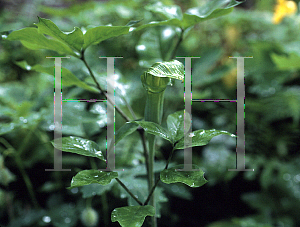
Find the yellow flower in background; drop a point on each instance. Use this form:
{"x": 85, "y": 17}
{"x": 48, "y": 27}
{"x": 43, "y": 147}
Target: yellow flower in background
{"x": 230, "y": 79}
{"x": 282, "y": 9}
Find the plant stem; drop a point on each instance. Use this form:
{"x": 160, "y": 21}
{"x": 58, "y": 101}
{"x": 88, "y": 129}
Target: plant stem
{"x": 170, "y": 157}
{"x": 102, "y": 91}
{"x": 152, "y": 190}
{"x": 153, "y": 113}
{"x": 142, "y": 134}
{"x": 129, "y": 192}
{"x": 177, "y": 45}
{"x": 157, "y": 181}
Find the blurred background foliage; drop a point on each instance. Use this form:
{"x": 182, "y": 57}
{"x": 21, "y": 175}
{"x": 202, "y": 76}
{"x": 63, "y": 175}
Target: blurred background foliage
{"x": 269, "y": 196}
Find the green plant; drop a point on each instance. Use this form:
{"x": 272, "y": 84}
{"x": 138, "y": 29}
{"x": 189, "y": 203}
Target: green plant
{"x": 155, "y": 80}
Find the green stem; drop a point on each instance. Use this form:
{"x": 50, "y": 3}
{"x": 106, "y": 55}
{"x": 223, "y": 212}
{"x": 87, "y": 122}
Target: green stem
{"x": 170, "y": 157}
{"x": 102, "y": 91}
{"x": 152, "y": 190}
{"x": 142, "y": 134}
{"x": 177, "y": 45}
{"x": 153, "y": 113}
{"x": 157, "y": 181}
{"x": 129, "y": 192}
{"x": 144, "y": 142}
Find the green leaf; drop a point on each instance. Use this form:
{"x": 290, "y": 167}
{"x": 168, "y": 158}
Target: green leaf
{"x": 68, "y": 78}
{"x": 79, "y": 146}
{"x": 166, "y": 12}
{"x": 75, "y": 119}
{"x": 92, "y": 176}
{"x": 32, "y": 39}
{"x": 171, "y": 22}
{"x": 132, "y": 216}
{"x": 73, "y": 39}
{"x": 200, "y": 138}
{"x": 127, "y": 129}
{"x": 212, "y": 9}
{"x": 155, "y": 129}
{"x": 191, "y": 178}
{"x": 177, "y": 127}
{"x": 98, "y": 34}
{"x": 286, "y": 62}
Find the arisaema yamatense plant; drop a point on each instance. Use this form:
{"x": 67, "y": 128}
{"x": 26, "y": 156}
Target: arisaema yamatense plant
{"x": 154, "y": 80}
